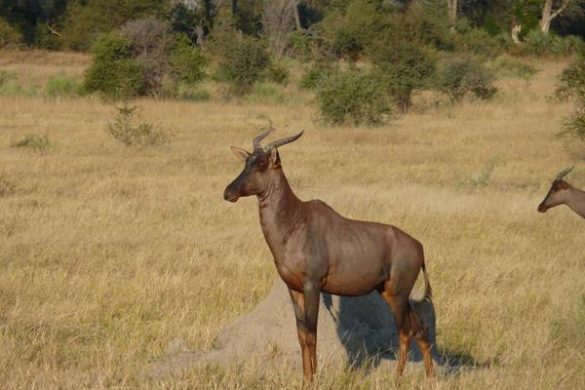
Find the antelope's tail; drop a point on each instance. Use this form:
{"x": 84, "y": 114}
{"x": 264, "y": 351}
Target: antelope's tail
{"x": 428, "y": 292}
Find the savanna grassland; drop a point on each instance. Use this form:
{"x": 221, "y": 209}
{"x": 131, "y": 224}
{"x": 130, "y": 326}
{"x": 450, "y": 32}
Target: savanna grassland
{"x": 109, "y": 253}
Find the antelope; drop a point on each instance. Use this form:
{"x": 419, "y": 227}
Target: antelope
{"x": 562, "y": 192}
{"x": 316, "y": 250}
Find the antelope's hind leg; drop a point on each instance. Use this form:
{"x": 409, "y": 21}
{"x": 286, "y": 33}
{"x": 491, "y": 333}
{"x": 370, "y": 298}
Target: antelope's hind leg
{"x": 409, "y": 325}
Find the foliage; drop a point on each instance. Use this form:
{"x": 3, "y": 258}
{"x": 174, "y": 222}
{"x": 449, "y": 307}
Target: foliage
{"x": 62, "y": 86}
{"x": 243, "y": 60}
{"x": 461, "y": 76}
{"x": 85, "y": 21}
{"x": 571, "y": 82}
{"x": 348, "y": 31}
{"x": 113, "y": 72}
{"x": 543, "y": 44}
{"x": 187, "y": 61}
{"x": 150, "y": 46}
{"x": 125, "y": 129}
{"x": 476, "y": 41}
{"x": 507, "y": 65}
{"x": 266, "y": 93}
{"x": 406, "y": 67}
{"x": 9, "y": 36}
{"x": 278, "y": 72}
{"x": 36, "y": 142}
{"x": 354, "y": 97}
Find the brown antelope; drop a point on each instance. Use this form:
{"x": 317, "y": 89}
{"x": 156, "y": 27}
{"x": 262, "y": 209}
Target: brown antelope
{"x": 315, "y": 249}
{"x": 562, "y": 192}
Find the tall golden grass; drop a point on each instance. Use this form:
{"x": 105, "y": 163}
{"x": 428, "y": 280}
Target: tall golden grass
{"x": 107, "y": 254}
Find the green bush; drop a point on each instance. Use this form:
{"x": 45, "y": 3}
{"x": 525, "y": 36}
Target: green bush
{"x": 461, "y": 76}
{"x": 243, "y": 60}
{"x": 113, "y": 72}
{"x": 194, "y": 94}
{"x": 571, "y": 82}
{"x": 266, "y": 93}
{"x": 125, "y": 129}
{"x": 348, "y": 30}
{"x": 62, "y": 86}
{"x": 506, "y": 65}
{"x": 406, "y": 66}
{"x": 9, "y": 36}
{"x": 476, "y": 41}
{"x": 354, "y": 97}
{"x": 278, "y": 73}
{"x": 187, "y": 61}
{"x": 549, "y": 44}
{"x": 36, "y": 142}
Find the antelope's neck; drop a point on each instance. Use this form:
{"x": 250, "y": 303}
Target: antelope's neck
{"x": 280, "y": 212}
{"x": 576, "y": 201}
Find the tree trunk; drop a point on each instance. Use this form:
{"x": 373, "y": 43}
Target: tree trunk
{"x": 297, "y": 15}
{"x": 452, "y": 14}
{"x": 548, "y": 14}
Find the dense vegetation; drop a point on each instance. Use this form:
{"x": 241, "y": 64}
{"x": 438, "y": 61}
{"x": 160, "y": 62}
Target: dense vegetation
{"x": 165, "y": 49}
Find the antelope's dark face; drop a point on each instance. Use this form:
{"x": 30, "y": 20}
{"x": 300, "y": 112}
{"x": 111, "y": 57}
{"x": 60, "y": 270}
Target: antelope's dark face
{"x": 558, "y": 192}
{"x": 555, "y": 196}
{"x": 259, "y": 167}
{"x": 255, "y": 176}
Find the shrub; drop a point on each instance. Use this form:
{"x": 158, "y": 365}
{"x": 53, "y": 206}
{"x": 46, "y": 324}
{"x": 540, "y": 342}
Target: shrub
{"x": 354, "y": 97}
{"x": 461, "y": 76}
{"x": 125, "y": 129}
{"x": 266, "y": 93}
{"x": 9, "y": 37}
{"x": 571, "y": 82}
{"x": 62, "y": 86}
{"x": 476, "y": 41}
{"x": 243, "y": 60}
{"x": 507, "y": 65}
{"x": 150, "y": 46}
{"x": 113, "y": 72}
{"x": 187, "y": 61}
{"x": 541, "y": 44}
{"x": 278, "y": 73}
{"x": 349, "y": 30}
{"x": 406, "y": 67}
{"x": 36, "y": 142}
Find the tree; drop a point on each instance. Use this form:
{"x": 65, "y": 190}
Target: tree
{"x": 452, "y": 13}
{"x": 548, "y": 14}
{"x": 278, "y": 22}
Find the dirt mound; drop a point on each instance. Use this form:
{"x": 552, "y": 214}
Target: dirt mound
{"x": 351, "y": 330}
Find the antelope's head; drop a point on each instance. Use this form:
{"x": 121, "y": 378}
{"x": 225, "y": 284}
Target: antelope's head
{"x": 558, "y": 192}
{"x": 259, "y": 167}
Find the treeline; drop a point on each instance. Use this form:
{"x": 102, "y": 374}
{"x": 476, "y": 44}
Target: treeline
{"x": 364, "y": 60}
{"x": 345, "y": 24}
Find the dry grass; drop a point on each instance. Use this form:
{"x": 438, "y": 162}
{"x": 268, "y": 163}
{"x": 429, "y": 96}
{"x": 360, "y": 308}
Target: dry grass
{"x": 108, "y": 254}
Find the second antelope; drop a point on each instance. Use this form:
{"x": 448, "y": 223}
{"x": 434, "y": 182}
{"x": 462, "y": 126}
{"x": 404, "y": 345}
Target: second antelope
{"x": 562, "y": 192}
{"x": 315, "y": 249}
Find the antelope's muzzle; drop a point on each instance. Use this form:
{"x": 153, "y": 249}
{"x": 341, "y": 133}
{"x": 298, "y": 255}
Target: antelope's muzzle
{"x": 542, "y": 208}
{"x": 230, "y": 195}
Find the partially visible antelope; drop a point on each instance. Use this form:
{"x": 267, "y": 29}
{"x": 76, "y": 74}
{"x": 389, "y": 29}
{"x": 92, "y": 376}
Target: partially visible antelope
{"x": 315, "y": 249}
{"x": 562, "y": 192}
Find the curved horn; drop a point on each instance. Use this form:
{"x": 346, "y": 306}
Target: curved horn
{"x": 283, "y": 141}
{"x": 260, "y": 137}
{"x": 564, "y": 173}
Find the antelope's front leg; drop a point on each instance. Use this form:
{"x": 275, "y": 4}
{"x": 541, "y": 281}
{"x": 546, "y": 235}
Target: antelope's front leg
{"x": 311, "y": 292}
{"x": 298, "y": 301}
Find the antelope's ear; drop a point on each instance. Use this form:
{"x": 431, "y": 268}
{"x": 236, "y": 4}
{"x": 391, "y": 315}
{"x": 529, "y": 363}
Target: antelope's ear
{"x": 240, "y": 153}
{"x": 274, "y": 158}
